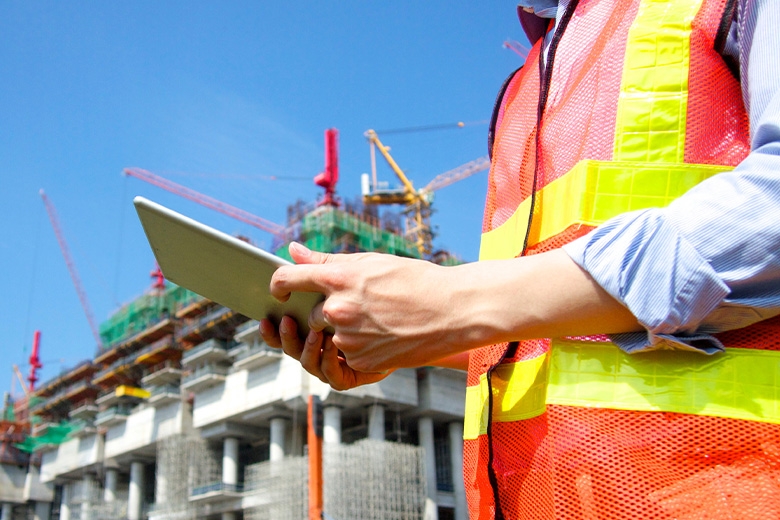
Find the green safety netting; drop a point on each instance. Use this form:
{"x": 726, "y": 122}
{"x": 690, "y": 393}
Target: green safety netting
{"x": 144, "y": 312}
{"x": 54, "y": 434}
{"x": 331, "y": 230}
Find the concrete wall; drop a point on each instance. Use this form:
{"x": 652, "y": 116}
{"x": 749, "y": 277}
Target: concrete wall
{"x": 72, "y": 455}
{"x": 443, "y": 391}
{"x": 247, "y": 390}
{"x": 145, "y": 426}
{"x": 12, "y": 483}
{"x": 399, "y": 387}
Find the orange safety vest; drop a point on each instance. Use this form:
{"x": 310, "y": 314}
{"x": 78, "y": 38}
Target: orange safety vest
{"x": 635, "y": 106}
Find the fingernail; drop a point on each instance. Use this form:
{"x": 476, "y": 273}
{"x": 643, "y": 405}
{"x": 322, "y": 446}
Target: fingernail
{"x": 300, "y": 249}
{"x": 283, "y": 327}
{"x": 311, "y": 338}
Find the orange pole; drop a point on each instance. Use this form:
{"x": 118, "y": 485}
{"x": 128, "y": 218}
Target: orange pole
{"x": 314, "y": 437}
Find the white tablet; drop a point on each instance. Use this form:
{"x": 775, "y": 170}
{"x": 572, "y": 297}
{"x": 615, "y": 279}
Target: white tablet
{"x": 218, "y": 266}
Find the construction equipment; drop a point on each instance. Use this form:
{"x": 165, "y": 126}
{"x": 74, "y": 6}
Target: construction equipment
{"x": 35, "y": 361}
{"x": 71, "y": 267}
{"x": 328, "y": 178}
{"x": 209, "y": 202}
{"x": 417, "y": 202}
{"x": 518, "y": 48}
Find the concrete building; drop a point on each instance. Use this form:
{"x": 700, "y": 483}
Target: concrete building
{"x": 185, "y": 410}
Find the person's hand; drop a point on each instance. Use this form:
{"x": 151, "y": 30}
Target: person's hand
{"x": 387, "y": 312}
{"x": 317, "y": 355}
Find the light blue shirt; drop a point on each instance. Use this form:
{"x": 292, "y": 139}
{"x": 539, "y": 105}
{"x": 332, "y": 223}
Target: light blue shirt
{"x": 710, "y": 261}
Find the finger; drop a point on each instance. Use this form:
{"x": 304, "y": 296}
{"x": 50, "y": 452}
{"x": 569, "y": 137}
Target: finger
{"x": 269, "y": 334}
{"x": 303, "y": 255}
{"x": 317, "y": 319}
{"x": 312, "y": 355}
{"x": 298, "y": 278}
{"x": 291, "y": 342}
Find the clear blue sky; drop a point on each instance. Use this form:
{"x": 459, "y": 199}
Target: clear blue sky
{"x": 220, "y": 97}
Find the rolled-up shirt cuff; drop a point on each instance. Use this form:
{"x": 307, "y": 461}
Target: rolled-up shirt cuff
{"x": 643, "y": 262}
{"x": 635, "y": 342}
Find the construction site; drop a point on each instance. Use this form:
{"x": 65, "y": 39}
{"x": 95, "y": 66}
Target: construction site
{"x": 184, "y": 412}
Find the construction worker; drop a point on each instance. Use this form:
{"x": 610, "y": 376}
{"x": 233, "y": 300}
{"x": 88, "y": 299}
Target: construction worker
{"x": 633, "y": 212}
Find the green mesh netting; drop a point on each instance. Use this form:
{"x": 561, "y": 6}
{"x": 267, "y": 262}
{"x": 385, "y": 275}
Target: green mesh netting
{"x": 331, "y": 230}
{"x": 54, "y": 434}
{"x": 144, "y": 312}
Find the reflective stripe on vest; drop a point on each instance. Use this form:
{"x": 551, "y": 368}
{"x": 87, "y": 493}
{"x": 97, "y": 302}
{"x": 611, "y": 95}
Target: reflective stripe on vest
{"x": 590, "y": 194}
{"x": 738, "y": 384}
{"x": 648, "y": 169}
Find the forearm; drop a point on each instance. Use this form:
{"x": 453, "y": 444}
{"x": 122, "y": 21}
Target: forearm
{"x": 539, "y": 296}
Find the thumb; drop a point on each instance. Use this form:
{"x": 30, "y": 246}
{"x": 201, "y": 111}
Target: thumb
{"x": 303, "y": 255}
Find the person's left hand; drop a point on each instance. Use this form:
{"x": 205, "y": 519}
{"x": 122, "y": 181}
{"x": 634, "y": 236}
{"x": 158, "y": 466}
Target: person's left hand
{"x": 317, "y": 355}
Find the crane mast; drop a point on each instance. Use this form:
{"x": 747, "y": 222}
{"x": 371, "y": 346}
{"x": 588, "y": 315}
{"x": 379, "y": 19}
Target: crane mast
{"x": 55, "y": 223}
{"x": 416, "y": 202}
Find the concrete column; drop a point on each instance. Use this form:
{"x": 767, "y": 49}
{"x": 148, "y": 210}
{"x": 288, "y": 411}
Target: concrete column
{"x": 425, "y": 434}
{"x": 135, "y": 494}
{"x": 160, "y": 486}
{"x": 331, "y": 433}
{"x": 376, "y": 422}
{"x": 42, "y": 511}
{"x": 456, "y": 460}
{"x": 109, "y": 488}
{"x": 297, "y": 437}
{"x": 65, "y": 503}
{"x": 230, "y": 461}
{"x": 228, "y": 515}
{"x": 278, "y": 437}
{"x": 86, "y": 505}
{"x": 7, "y": 511}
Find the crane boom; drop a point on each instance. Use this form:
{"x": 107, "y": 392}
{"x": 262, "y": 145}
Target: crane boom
{"x": 456, "y": 174}
{"x": 55, "y": 223}
{"x": 204, "y": 200}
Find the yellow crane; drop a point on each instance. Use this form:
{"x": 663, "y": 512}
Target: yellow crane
{"x": 416, "y": 202}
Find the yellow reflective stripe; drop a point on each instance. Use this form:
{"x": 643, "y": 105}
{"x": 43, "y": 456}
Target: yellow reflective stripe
{"x": 519, "y": 391}
{"x": 590, "y": 194}
{"x": 653, "y": 100}
{"x": 738, "y": 384}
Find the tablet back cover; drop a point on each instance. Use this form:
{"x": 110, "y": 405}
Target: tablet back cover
{"x": 218, "y": 266}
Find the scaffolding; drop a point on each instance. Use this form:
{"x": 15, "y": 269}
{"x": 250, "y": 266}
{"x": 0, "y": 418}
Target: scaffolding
{"x": 367, "y": 480}
{"x": 332, "y": 230}
{"x": 144, "y": 312}
{"x": 185, "y": 464}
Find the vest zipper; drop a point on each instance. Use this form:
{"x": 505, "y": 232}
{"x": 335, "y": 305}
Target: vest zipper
{"x": 545, "y": 73}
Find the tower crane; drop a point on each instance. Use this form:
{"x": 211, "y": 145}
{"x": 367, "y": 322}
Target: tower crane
{"x": 204, "y": 200}
{"x": 55, "y": 223}
{"x": 417, "y": 202}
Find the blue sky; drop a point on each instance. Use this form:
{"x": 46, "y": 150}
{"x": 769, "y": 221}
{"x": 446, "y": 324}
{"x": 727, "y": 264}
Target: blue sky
{"x": 222, "y": 97}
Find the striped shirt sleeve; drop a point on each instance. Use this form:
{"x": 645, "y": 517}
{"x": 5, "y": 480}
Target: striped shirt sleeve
{"x": 711, "y": 260}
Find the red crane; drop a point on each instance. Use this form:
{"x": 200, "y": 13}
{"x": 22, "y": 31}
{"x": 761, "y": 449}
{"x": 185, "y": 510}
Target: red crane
{"x": 55, "y": 223}
{"x": 35, "y": 361}
{"x": 330, "y": 176}
{"x": 518, "y": 48}
{"x": 204, "y": 200}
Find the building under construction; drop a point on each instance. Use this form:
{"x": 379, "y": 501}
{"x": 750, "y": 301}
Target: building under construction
{"x": 185, "y": 413}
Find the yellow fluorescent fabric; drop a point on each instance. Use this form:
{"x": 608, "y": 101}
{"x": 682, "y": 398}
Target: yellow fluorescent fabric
{"x": 738, "y": 384}
{"x": 518, "y": 390}
{"x": 590, "y": 194}
{"x": 653, "y": 100}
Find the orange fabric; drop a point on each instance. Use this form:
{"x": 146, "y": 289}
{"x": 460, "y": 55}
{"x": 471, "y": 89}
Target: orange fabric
{"x": 575, "y": 462}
